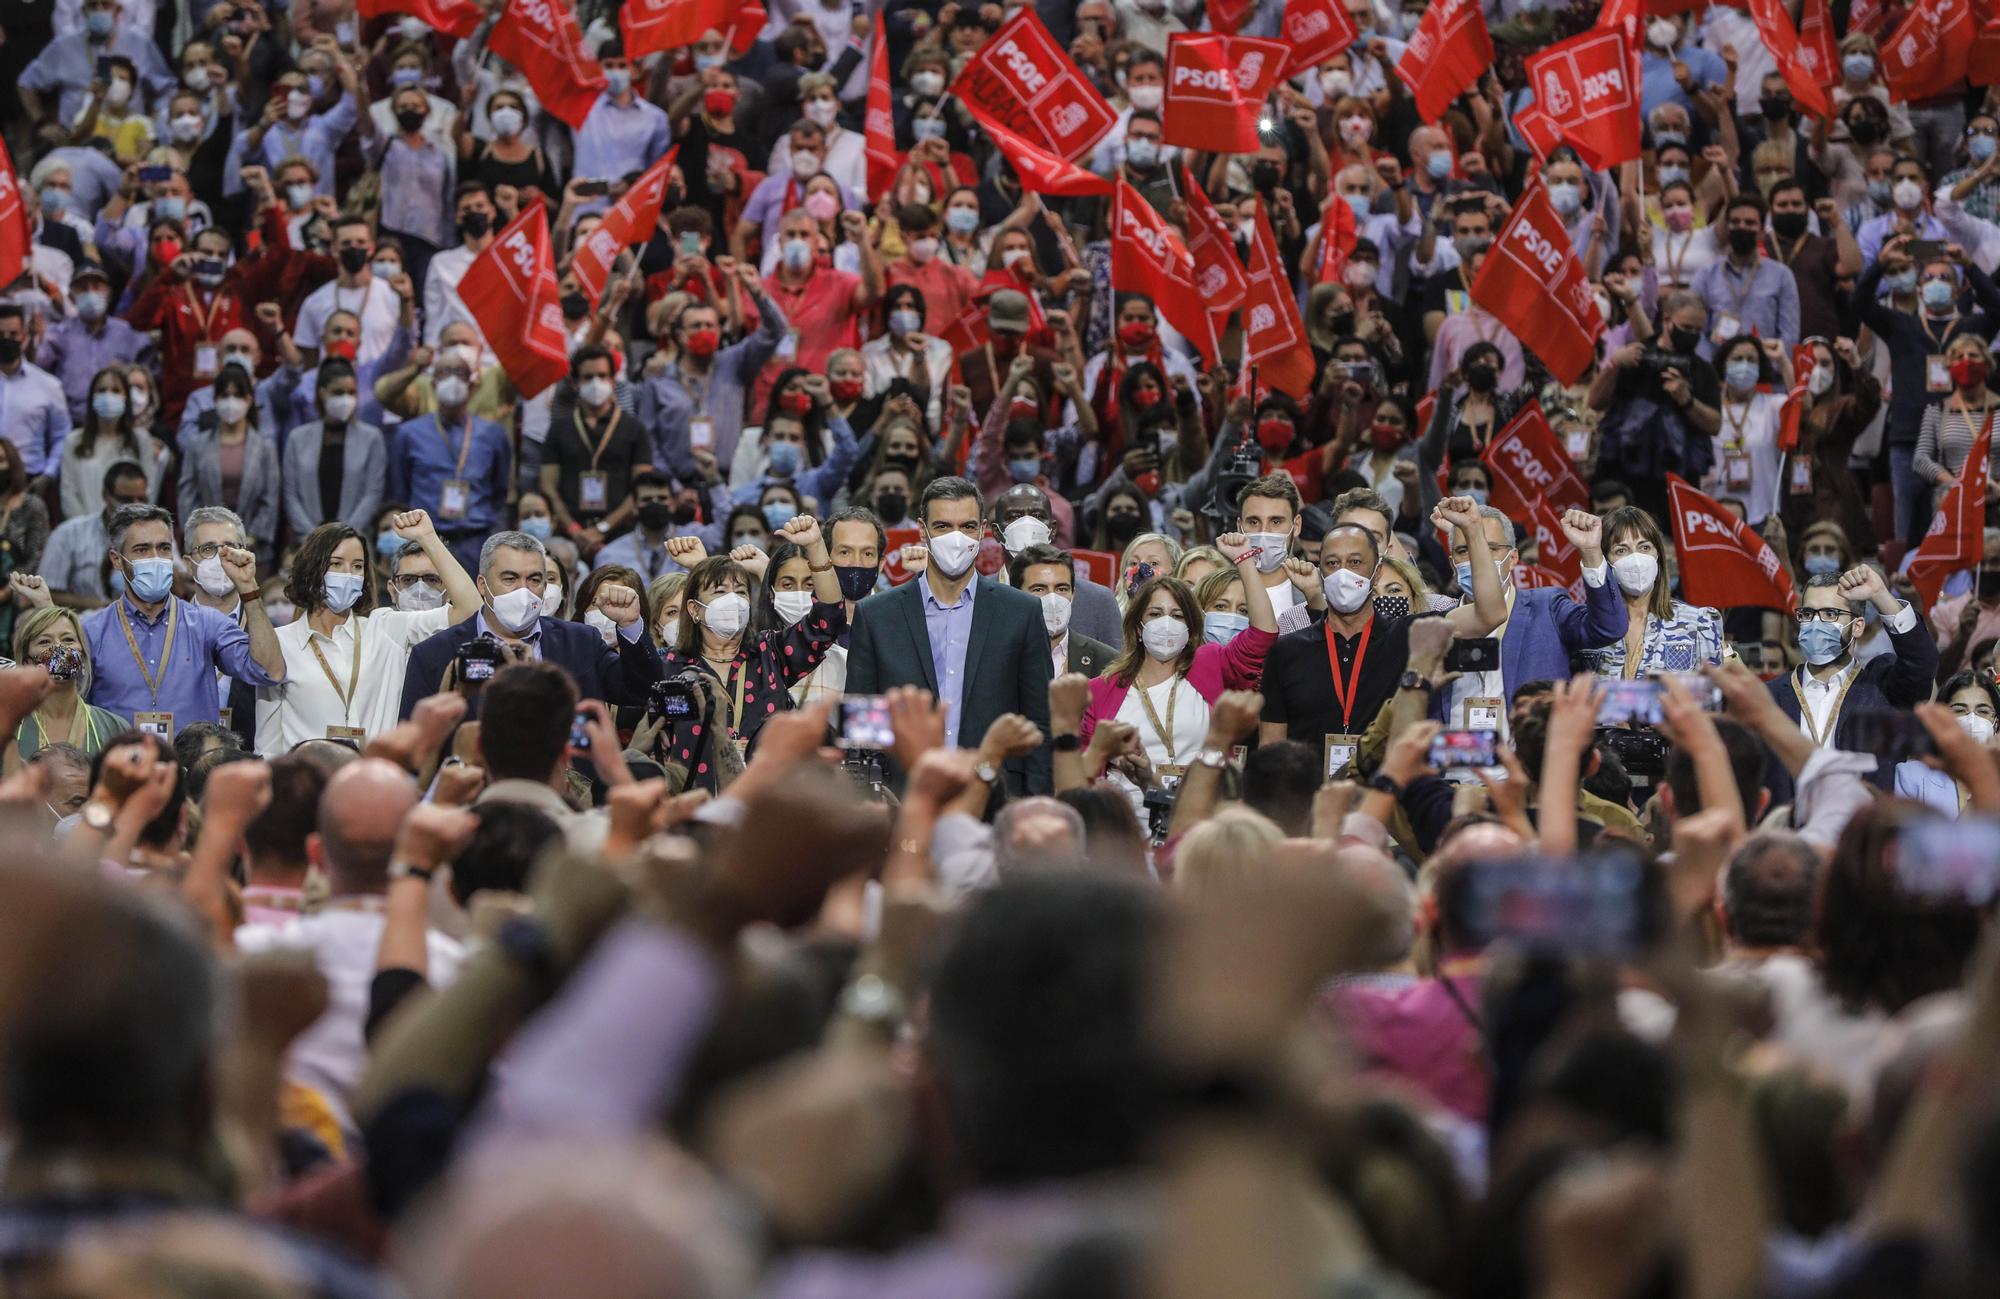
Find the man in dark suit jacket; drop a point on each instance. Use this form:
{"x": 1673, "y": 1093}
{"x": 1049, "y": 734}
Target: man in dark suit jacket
{"x": 1835, "y": 689}
{"x": 511, "y": 566}
{"x": 980, "y": 647}
{"x": 1049, "y": 574}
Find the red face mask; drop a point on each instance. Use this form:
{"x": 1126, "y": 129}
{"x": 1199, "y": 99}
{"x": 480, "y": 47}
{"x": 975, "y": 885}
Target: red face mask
{"x": 703, "y": 342}
{"x": 795, "y": 403}
{"x": 1968, "y": 371}
{"x": 1136, "y": 335}
{"x": 844, "y": 390}
{"x": 166, "y": 250}
{"x": 1385, "y": 437}
{"x": 343, "y": 349}
{"x": 1146, "y": 398}
{"x": 718, "y": 103}
{"x": 1022, "y": 408}
{"x": 1274, "y": 435}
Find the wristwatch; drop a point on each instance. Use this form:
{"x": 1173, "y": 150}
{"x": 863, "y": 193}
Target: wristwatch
{"x": 1071, "y": 743}
{"x": 98, "y": 815}
{"x": 986, "y": 771}
{"x": 1387, "y": 784}
{"x": 407, "y": 870}
{"x": 873, "y": 1001}
{"x": 1412, "y": 681}
{"x": 1217, "y": 758}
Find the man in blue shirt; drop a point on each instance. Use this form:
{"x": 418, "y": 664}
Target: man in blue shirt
{"x": 624, "y": 133}
{"x": 1670, "y": 72}
{"x": 76, "y": 347}
{"x": 696, "y": 403}
{"x": 56, "y": 86}
{"x": 453, "y": 464}
{"x": 153, "y": 658}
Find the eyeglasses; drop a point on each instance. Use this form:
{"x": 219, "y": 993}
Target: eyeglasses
{"x": 208, "y": 550}
{"x": 404, "y": 581}
{"x": 1824, "y": 615}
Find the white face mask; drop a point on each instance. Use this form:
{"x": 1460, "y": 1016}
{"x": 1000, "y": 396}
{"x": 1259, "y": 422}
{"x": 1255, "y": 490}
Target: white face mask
{"x": 1272, "y": 550}
{"x": 1908, "y": 195}
{"x": 1055, "y": 613}
{"x": 1164, "y": 638}
{"x": 552, "y": 600}
{"x": 822, "y": 111}
{"x": 605, "y": 627}
{"x": 138, "y": 400}
{"x": 805, "y": 165}
{"x": 595, "y": 392}
{"x": 419, "y": 598}
{"x": 1976, "y": 726}
{"x": 953, "y": 553}
{"x": 231, "y": 410}
{"x": 340, "y": 407}
{"x": 1819, "y": 380}
{"x": 670, "y": 632}
{"x": 1024, "y": 532}
{"x": 1347, "y": 590}
{"x": 727, "y": 615}
{"x": 517, "y": 610}
{"x": 792, "y": 605}
{"x": 1146, "y": 97}
{"x": 210, "y": 577}
{"x": 452, "y": 391}
{"x": 1636, "y": 573}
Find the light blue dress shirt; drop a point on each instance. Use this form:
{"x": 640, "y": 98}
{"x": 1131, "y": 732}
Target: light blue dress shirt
{"x": 950, "y": 630}
{"x": 204, "y": 642}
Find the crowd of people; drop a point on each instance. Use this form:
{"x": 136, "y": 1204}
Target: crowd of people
{"x": 903, "y": 774}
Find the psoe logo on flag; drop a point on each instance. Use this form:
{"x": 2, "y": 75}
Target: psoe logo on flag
{"x": 1249, "y": 69}
{"x": 1538, "y": 248}
{"x": 1022, "y": 66}
{"x": 1213, "y": 280}
{"x": 1555, "y": 95}
{"x": 1262, "y": 318}
{"x": 1215, "y": 81}
{"x": 1302, "y": 26}
{"x": 1069, "y": 119}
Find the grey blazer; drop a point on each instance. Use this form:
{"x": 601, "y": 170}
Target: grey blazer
{"x": 257, "y": 495}
{"x": 364, "y": 467}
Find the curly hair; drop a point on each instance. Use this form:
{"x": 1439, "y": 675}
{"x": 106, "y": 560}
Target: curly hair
{"x": 305, "y": 585}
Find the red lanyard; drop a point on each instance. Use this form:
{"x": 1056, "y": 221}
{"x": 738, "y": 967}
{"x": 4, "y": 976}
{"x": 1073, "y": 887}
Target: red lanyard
{"x": 1347, "y": 693}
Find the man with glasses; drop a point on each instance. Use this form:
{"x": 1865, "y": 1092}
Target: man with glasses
{"x": 1832, "y": 687}
{"x": 981, "y": 648}
{"x": 414, "y": 582}
{"x": 203, "y": 537}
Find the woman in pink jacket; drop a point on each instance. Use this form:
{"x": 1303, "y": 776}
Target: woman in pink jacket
{"x": 1167, "y": 678}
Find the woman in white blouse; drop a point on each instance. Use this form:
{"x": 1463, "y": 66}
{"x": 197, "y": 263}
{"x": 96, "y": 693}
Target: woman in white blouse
{"x": 1747, "y": 459}
{"x": 343, "y": 672}
{"x": 1679, "y": 249}
{"x": 909, "y": 351}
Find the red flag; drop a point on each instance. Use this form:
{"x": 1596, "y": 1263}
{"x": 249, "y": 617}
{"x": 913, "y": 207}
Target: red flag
{"x": 1957, "y": 537}
{"x": 1723, "y": 562}
{"x": 1926, "y": 55}
{"x": 1148, "y": 257}
{"x": 743, "y": 30}
{"x": 1216, "y": 87}
{"x": 1316, "y": 30}
{"x": 1218, "y": 274}
{"x": 1553, "y": 553}
{"x": 458, "y": 18}
{"x": 1816, "y": 46}
{"x": 1527, "y": 463}
{"x": 1528, "y": 577}
{"x": 1226, "y": 16}
{"x": 1042, "y": 172}
{"x": 1794, "y": 408}
{"x": 1775, "y": 26}
{"x": 1020, "y": 79}
{"x": 17, "y": 236}
{"x": 631, "y": 220}
{"x": 541, "y": 38}
{"x": 1446, "y": 54}
{"x": 511, "y": 291}
{"x": 883, "y": 160}
{"x": 654, "y": 25}
{"x": 1531, "y": 282}
{"x": 1588, "y": 86}
{"x": 1337, "y": 238}
{"x": 1617, "y": 11}
{"x": 1868, "y": 16}
{"x": 1539, "y": 130}
{"x": 1982, "y": 61}
{"x": 1274, "y": 338}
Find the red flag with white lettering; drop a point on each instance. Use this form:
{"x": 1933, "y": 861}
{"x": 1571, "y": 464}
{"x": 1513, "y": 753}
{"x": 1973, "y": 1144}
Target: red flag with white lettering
{"x": 1775, "y": 26}
{"x": 744, "y": 29}
{"x": 1816, "y": 46}
{"x": 17, "y": 236}
{"x": 1218, "y": 274}
{"x": 1589, "y": 87}
{"x": 1926, "y": 55}
{"x": 1446, "y": 55}
{"x": 1022, "y": 80}
{"x": 883, "y": 160}
{"x": 1316, "y": 30}
{"x": 1532, "y": 284}
{"x": 1794, "y": 408}
{"x": 1539, "y": 130}
{"x": 654, "y": 25}
{"x": 1226, "y": 16}
{"x": 1617, "y": 11}
{"x": 511, "y": 291}
{"x": 1553, "y": 553}
{"x": 1274, "y": 338}
{"x": 1526, "y": 462}
{"x": 1147, "y": 256}
{"x": 1957, "y": 537}
{"x": 458, "y": 18}
{"x": 1042, "y": 172}
{"x": 541, "y": 38}
{"x": 1867, "y": 16}
{"x": 1337, "y": 238}
{"x": 1724, "y": 564}
{"x": 631, "y": 220}
{"x": 1216, "y": 88}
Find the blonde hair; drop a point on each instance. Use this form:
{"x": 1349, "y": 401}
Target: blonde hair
{"x": 1224, "y": 852}
{"x": 664, "y": 588}
{"x": 36, "y": 621}
{"x": 1174, "y": 554}
{"x": 1409, "y": 575}
{"x": 1195, "y": 553}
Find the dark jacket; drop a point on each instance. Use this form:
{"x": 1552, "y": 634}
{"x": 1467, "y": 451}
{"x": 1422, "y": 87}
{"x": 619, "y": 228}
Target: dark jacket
{"x": 1898, "y": 681}
{"x": 1006, "y": 664}
{"x": 1088, "y": 656}
{"x": 621, "y": 676}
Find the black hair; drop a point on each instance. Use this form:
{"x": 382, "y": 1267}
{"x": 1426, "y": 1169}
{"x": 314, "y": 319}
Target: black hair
{"x": 1746, "y": 763}
{"x": 305, "y": 584}
{"x": 509, "y": 837}
{"x": 1280, "y": 781}
{"x": 524, "y": 719}
{"x": 164, "y": 829}
{"x": 1768, "y": 889}
{"x": 190, "y": 740}
{"x": 1034, "y": 556}
{"x": 949, "y": 488}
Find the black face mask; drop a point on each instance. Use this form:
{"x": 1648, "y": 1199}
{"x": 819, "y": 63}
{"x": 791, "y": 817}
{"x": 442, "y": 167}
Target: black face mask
{"x": 1121, "y": 528}
{"x": 1865, "y": 130}
{"x": 1989, "y": 583}
{"x": 474, "y": 225}
{"x": 1790, "y": 225}
{"x": 1742, "y": 242}
{"x": 855, "y": 582}
{"x": 410, "y": 119}
{"x": 10, "y": 350}
{"x": 352, "y": 260}
{"x": 1265, "y": 176}
{"x": 1684, "y": 340}
{"x": 1482, "y": 378}
{"x": 1776, "y": 109}
{"x": 655, "y": 515}
{"x": 575, "y": 306}
{"x": 894, "y": 507}
{"x": 1341, "y": 323}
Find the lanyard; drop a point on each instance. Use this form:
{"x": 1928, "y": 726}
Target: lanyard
{"x": 1965, "y": 413}
{"x": 1735, "y": 424}
{"x": 1924, "y": 319}
{"x": 1350, "y": 691}
{"x": 201, "y": 317}
{"x": 1166, "y": 733}
{"x": 465, "y": 443}
{"x": 1820, "y": 735}
{"x": 81, "y": 724}
{"x": 354, "y": 677}
{"x": 742, "y": 674}
{"x": 166, "y": 651}
{"x": 610, "y": 427}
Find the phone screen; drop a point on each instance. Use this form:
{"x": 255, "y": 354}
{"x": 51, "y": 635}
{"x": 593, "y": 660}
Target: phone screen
{"x": 1592, "y": 906}
{"x": 1952, "y": 861}
{"x": 1630, "y": 701}
{"x": 579, "y": 730}
{"x": 1463, "y": 749}
{"x": 864, "y": 723}
{"x": 477, "y": 670}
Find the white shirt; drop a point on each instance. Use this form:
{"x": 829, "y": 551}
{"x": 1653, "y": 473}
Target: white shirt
{"x": 1816, "y": 697}
{"x": 1288, "y": 605}
{"x": 1059, "y": 655}
{"x": 377, "y": 305}
{"x": 1749, "y": 428}
{"x": 329, "y": 1056}
{"x": 442, "y": 305}
{"x": 1188, "y": 726}
{"x": 306, "y": 702}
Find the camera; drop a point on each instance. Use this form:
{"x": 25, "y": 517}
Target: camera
{"x": 1480, "y": 654}
{"x": 478, "y": 659}
{"x": 1642, "y": 752}
{"x": 1238, "y": 470}
{"x": 1159, "y": 805}
{"x": 1654, "y": 364}
{"x": 676, "y": 697}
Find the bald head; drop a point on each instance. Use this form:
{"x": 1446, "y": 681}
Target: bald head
{"x": 364, "y": 805}
{"x": 1388, "y": 888}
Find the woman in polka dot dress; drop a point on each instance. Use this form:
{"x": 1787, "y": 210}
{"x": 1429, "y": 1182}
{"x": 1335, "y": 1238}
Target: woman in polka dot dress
{"x": 753, "y": 671}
